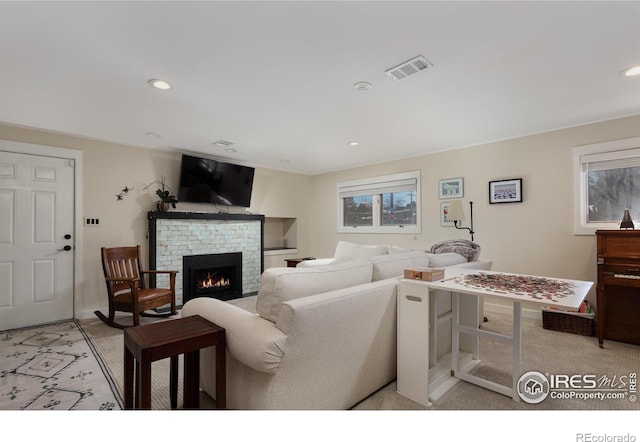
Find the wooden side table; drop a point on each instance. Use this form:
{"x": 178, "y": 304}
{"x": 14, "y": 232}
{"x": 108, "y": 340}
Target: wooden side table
{"x": 145, "y": 344}
{"x": 293, "y": 262}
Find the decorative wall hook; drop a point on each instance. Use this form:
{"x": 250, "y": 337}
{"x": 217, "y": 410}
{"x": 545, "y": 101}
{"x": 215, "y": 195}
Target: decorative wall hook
{"x": 120, "y": 196}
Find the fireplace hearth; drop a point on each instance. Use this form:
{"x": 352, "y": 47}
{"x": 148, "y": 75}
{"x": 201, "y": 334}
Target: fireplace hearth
{"x": 215, "y": 275}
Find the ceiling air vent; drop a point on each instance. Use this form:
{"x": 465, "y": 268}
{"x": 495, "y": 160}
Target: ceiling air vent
{"x": 409, "y": 67}
{"x": 222, "y": 143}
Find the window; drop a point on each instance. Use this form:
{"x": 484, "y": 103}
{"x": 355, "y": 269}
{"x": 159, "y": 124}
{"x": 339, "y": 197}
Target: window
{"x": 606, "y": 181}
{"x": 386, "y": 204}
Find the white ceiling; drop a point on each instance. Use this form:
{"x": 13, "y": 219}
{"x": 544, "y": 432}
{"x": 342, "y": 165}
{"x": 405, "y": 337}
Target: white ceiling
{"x": 276, "y": 78}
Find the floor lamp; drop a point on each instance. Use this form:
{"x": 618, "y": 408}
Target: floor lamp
{"x": 456, "y": 214}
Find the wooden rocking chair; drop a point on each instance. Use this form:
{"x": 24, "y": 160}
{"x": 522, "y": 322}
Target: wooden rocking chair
{"x": 126, "y": 287}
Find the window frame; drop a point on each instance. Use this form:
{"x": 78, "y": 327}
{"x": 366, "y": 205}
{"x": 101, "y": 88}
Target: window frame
{"x": 377, "y": 185}
{"x": 611, "y": 150}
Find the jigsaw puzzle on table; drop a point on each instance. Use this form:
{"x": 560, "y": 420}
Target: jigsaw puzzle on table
{"x": 534, "y": 286}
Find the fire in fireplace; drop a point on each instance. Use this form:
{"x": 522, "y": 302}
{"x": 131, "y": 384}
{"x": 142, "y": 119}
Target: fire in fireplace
{"x": 217, "y": 275}
{"x": 212, "y": 282}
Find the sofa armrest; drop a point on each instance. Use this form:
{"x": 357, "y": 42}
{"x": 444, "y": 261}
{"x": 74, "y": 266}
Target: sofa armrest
{"x": 316, "y": 262}
{"x": 250, "y": 339}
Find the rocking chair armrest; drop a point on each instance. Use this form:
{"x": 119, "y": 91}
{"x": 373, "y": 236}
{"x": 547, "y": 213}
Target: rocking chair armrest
{"x": 161, "y": 271}
{"x": 121, "y": 279}
{"x": 133, "y": 283}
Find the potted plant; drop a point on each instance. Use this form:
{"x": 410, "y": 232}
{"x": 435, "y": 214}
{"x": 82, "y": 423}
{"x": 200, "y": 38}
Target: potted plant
{"x": 165, "y": 194}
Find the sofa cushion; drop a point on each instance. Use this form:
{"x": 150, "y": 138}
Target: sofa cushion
{"x": 315, "y": 262}
{"x": 347, "y": 251}
{"x": 391, "y": 266}
{"x": 397, "y": 250}
{"x": 281, "y": 284}
{"x": 445, "y": 259}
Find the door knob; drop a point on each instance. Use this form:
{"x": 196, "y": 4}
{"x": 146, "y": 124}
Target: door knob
{"x": 65, "y": 248}
{"x": 67, "y": 236}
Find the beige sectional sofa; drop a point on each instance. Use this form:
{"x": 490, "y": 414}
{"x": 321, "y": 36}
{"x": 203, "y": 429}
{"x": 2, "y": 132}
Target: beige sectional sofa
{"x": 322, "y": 337}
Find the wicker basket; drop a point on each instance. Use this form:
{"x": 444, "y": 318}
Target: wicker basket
{"x": 569, "y": 322}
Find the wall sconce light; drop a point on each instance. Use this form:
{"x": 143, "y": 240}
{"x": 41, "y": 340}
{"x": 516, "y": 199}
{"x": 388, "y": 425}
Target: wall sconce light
{"x": 456, "y": 214}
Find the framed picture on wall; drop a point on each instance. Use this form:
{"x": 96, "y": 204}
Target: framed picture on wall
{"x": 505, "y": 191}
{"x": 451, "y": 188}
{"x": 444, "y": 215}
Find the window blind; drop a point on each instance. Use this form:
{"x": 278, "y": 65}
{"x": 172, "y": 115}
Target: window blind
{"x": 610, "y": 160}
{"x": 398, "y": 185}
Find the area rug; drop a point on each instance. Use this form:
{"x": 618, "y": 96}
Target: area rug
{"x": 54, "y": 367}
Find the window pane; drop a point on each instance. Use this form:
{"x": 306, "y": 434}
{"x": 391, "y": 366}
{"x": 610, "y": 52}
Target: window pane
{"x": 398, "y": 208}
{"x": 358, "y": 210}
{"x": 609, "y": 192}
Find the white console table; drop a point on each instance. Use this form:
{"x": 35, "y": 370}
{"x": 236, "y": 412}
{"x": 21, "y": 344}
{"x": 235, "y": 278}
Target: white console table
{"x": 415, "y": 322}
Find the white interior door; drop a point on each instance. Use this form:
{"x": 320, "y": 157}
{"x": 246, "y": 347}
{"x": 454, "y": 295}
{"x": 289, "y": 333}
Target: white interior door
{"x": 36, "y": 239}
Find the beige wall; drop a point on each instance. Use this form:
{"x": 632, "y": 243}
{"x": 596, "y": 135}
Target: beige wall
{"x": 534, "y": 237}
{"x": 107, "y": 168}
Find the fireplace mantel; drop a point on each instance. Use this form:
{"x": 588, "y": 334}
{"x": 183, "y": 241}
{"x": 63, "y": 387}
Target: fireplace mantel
{"x": 204, "y": 215}
{"x": 197, "y": 232}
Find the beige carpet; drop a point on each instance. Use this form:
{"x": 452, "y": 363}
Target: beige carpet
{"x": 543, "y": 350}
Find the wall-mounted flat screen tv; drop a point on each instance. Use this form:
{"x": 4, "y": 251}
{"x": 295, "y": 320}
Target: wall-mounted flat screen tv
{"x": 204, "y": 180}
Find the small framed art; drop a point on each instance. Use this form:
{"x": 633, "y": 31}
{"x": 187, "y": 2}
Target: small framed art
{"x": 444, "y": 215}
{"x": 451, "y": 188}
{"x": 505, "y": 191}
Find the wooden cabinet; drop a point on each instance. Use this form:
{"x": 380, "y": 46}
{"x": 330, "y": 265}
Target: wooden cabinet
{"x": 618, "y": 287}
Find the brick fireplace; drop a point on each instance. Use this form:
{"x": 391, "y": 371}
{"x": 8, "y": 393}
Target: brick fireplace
{"x": 226, "y": 248}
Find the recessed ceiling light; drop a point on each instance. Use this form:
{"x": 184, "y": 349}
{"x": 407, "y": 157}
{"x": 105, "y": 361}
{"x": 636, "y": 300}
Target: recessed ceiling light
{"x": 230, "y": 150}
{"x": 153, "y": 135}
{"x": 632, "y": 71}
{"x": 362, "y": 86}
{"x": 353, "y": 143}
{"x": 159, "y": 84}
